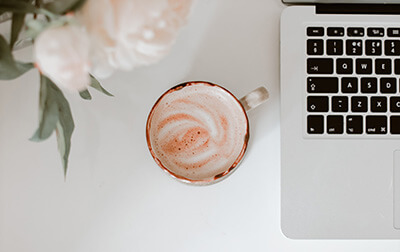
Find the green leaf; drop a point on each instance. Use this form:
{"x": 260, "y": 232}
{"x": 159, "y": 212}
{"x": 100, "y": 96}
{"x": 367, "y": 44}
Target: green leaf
{"x": 48, "y": 111}
{"x": 16, "y": 26}
{"x": 64, "y": 130}
{"x": 64, "y": 6}
{"x": 85, "y": 94}
{"x": 34, "y": 27}
{"x": 55, "y": 114}
{"x": 17, "y": 7}
{"x": 96, "y": 85}
{"x": 9, "y": 68}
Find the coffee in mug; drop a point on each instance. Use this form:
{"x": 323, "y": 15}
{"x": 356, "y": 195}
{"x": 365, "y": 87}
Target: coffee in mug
{"x": 198, "y": 131}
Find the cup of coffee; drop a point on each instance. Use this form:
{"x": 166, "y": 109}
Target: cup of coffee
{"x": 198, "y": 131}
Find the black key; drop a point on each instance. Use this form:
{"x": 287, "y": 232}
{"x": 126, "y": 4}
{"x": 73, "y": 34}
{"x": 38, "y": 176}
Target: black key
{"x": 373, "y": 47}
{"x": 317, "y": 104}
{"x": 383, "y": 66}
{"x": 388, "y": 85}
{"x": 334, "y": 124}
{"x": 376, "y": 32}
{"x": 315, "y": 31}
{"x": 392, "y": 47}
{"x": 369, "y": 85}
{"x": 395, "y": 104}
{"x": 334, "y": 47}
{"x": 355, "y": 31}
{"x": 336, "y": 31}
{"x": 354, "y": 124}
{"x": 349, "y": 85}
{"x": 397, "y": 66}
{"x": 315, "y": 47}
{"x": 315, "y": 124}
{"x": 339, "y": 103}
{"x": 393, "y": 32}
{"x": 359, "y": 104}
{"x": 344, "y": 66}
{"x": 378, "y": 104}
{"x": 353, "y": 47}
{"x": 376, "y": 125}
{"x": 319, "y": 66}
{"x": 364, "y": 66}
{"x": 395, "y": 125}
{"x": 322, "y": 85}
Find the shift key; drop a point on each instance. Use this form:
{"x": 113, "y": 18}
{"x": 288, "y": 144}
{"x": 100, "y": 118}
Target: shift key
{"x": 319, "y": 66}
{"x": 322, "y": 85}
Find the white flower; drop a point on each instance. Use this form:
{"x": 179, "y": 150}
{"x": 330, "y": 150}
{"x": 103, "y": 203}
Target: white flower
{"x": 130, "y": 33}
{"x": 62, "y": 54}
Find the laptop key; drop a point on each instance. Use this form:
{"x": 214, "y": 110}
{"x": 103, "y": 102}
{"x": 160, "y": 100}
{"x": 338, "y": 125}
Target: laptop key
{"x": 397, "y": 66}
{"x": 393, "y": 32}
{"x": 378, "y": 104}
{"x": 392, "y": 47}
{"x": 375, "y": 32}
{"x": 395, "y": 104}
{"x": 376, "y": 124}
{"x": 369, "y": 85}
{"x": 355, "y": 31}
{"x": 363, "y": 66}
{"x": 373, "y": 47}
{"x": 354, "y": 47}
{"x": 317, "y": 104}
{"x": 322, "y": 85}
{"x": 315, "y": 124}
{"x": 395, "y": 125}
{"x": 344, "y": 66}
{"x": 359, "y": 104}
{"x": 349, "y": 85}
{"x": 334, "y": 47}
{"x": 319, "y": 66}
{"x": 315, "y": 31}
{"x": 336, "y": 31}
{"x": 315, "y": 47}
{"x": 354, "y": 124}
{"x": 383, "y": 66}
{"x": 334, "y": 124}
{"x": 388, "y": 85}
{"x": 339, "y": 104}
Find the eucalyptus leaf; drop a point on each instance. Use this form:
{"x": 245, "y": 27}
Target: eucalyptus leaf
{"x": 64, "y": 129}
{"x": 17, "y": 23}
{"x": 35, "y": 27}
{"x": 64, "y": 6}
{"x": 9, "y": 68}
{"x": 96, "y": 85}
{"x": 48, "y": 111}
{"x": 85, "y": 94}
{"x": 55, "y": 114}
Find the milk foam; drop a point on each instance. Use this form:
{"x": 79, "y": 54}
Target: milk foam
{"x": 198, "y": 132}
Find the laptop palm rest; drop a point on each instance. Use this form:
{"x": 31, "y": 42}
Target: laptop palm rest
{"x": 396, "y": 188}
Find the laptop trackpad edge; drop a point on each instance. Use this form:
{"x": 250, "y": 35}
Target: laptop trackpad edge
{"x": 396, "y": 188}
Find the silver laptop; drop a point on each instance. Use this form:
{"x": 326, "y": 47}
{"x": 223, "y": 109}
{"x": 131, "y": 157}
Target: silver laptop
{"x": 340, "y": 119}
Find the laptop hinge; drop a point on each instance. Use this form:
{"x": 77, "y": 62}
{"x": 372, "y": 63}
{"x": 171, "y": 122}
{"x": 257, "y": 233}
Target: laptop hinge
{"x": 381, "y": 9}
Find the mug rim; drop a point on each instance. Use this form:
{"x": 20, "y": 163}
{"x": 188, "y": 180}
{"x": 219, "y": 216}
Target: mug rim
{"x": 217, "y": 177}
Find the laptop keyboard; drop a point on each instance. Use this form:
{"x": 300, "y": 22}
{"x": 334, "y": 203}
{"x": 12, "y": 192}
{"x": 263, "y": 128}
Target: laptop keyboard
{"x": 353, "y": 85}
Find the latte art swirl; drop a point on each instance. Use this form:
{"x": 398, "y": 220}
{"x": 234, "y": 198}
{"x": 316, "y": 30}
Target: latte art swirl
{"x": 198, "y": 131}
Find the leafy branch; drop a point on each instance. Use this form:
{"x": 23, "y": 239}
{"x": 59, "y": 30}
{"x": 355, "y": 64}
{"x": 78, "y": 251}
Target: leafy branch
{"x": 54, "y": 110}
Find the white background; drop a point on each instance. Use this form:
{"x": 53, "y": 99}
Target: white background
{"x": 115, "y": 197}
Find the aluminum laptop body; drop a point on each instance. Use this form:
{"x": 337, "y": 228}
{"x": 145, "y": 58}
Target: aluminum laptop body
{"x": 340, "y": 131}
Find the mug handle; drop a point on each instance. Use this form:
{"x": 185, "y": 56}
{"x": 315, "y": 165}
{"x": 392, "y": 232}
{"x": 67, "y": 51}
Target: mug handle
{"x": 254, "y": 98}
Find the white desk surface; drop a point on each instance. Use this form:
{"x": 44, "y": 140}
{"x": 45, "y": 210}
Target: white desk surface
{"x": 116, "y": 198}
